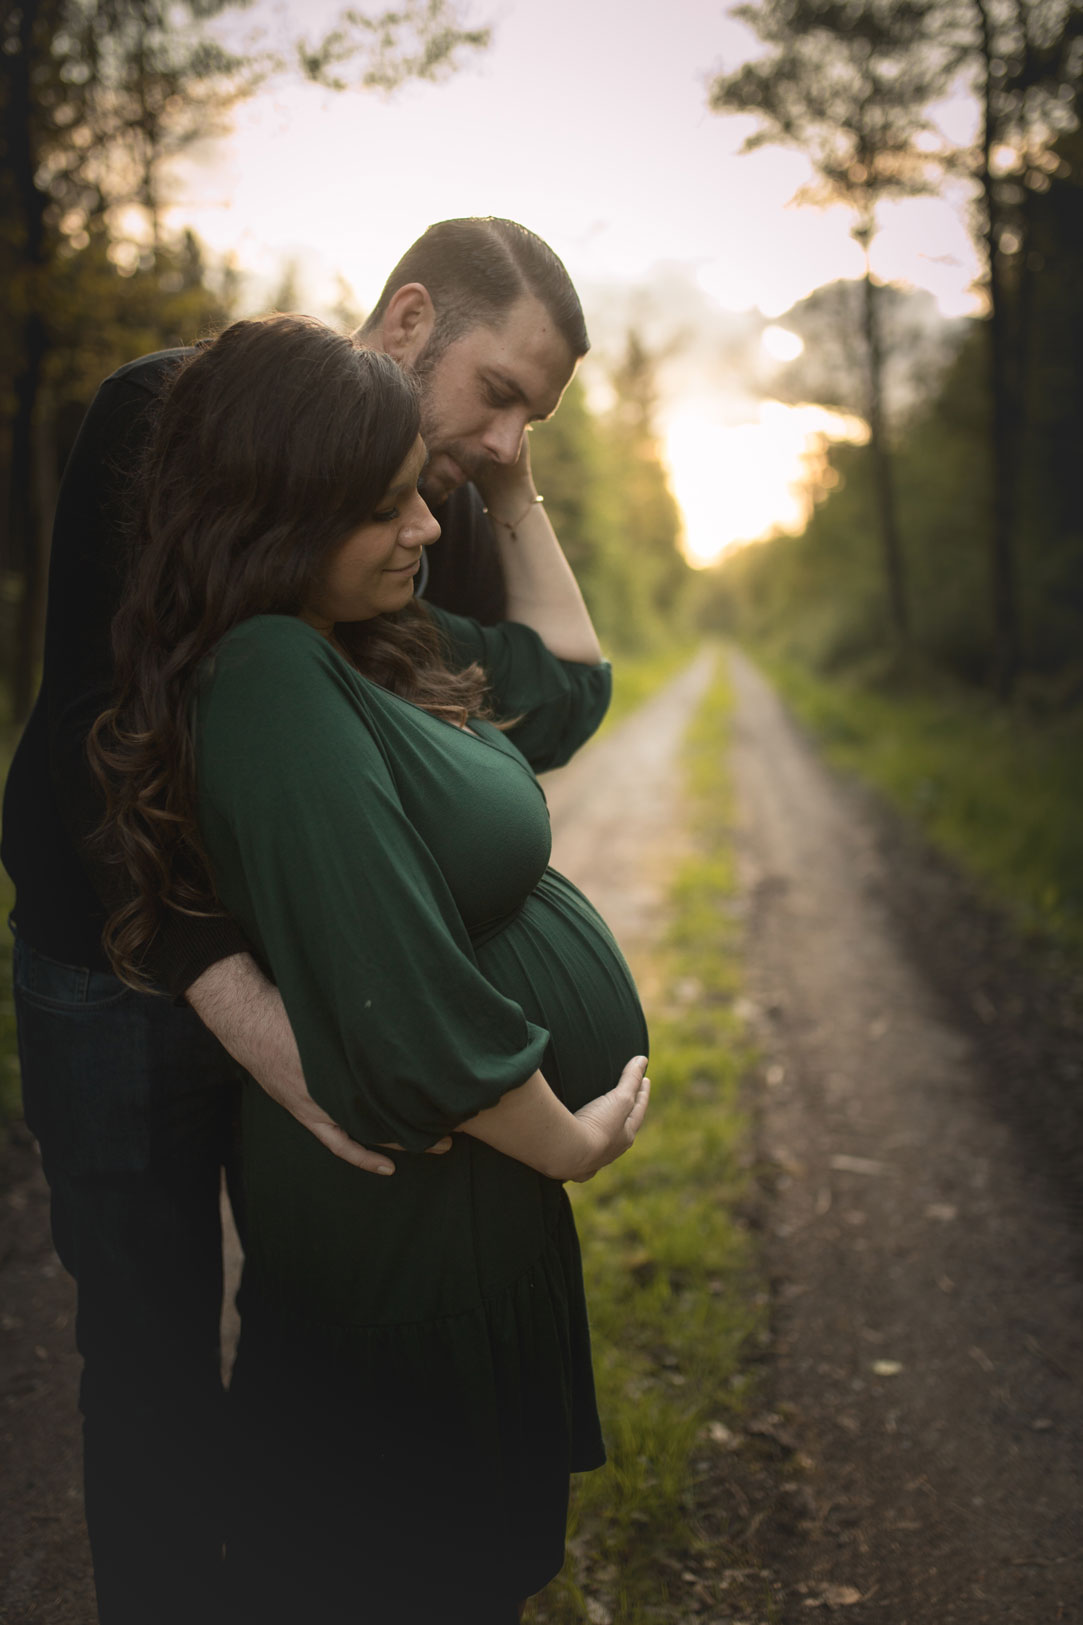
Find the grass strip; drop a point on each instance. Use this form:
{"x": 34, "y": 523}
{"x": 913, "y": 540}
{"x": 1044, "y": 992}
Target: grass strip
{"x": 637, "y": 677}
{"x": 999, "y": 790}
{"x": 670, "y": 1269}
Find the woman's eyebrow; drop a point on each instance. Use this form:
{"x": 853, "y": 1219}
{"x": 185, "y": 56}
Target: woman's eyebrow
{"x": 408, "y": 485}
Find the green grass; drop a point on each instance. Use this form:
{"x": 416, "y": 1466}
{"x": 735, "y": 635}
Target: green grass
{"x": 670, "y": 1269}
{"x": 637, "y": 677}
{"x": 999, "y": 790}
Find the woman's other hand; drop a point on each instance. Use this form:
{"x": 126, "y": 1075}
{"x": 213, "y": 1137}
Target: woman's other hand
{"x": 533, "y": 1126}
{"x": 613, "y": 1120}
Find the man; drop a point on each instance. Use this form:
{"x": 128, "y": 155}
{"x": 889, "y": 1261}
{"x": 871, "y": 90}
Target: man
{"x": 132, "y": 1096}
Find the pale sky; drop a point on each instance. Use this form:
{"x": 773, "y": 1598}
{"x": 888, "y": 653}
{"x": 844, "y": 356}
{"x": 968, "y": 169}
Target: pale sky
{"x": 587, "y": 121}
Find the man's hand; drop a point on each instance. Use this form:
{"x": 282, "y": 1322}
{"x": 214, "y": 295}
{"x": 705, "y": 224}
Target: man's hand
{"x": 245, "y": 1013}
{"x": 507, "y": 485}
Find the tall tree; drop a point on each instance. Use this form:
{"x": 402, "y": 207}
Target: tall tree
{"x": 919, "y": 344}
{"x": 844, "y": 84}
{"x": 96, "y": 98}
{"x": 1024, "y": 62}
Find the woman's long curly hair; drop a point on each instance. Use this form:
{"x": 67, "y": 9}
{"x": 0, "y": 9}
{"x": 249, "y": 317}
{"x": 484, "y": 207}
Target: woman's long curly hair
{"x": 272, "y": 444}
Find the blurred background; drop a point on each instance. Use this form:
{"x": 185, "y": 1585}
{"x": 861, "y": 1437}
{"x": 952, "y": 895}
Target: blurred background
{"x": 831, "y": 256}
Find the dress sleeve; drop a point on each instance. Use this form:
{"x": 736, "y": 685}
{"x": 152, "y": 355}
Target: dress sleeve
{"x": 401, "y": 1036}
{"x": 558, "y": 703}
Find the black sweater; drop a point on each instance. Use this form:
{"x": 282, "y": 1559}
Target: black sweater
{"x": 52, "y": 802}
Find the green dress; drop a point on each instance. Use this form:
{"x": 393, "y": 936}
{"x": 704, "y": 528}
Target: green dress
{"x": 413, "y": 1384}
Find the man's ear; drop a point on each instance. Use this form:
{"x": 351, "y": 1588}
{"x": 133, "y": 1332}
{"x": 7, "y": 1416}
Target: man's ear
{"x": 408, "y": 323}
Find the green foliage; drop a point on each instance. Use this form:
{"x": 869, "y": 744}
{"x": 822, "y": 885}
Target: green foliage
{"x": 420, "y": 39}
{"x": 608, "y": 495}
{"x": 998, "y": 790}
{"x": 671, "y": 1277}
{"x": 103, "y": 318}
{"x": 97, "y": 97}
{"x": 816, "y": 598}
{"x": 851, "y": 87}
{"x": 832, "y": 370}
{"x": 846, "y": 86}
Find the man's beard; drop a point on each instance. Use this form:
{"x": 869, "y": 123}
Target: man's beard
{"x": 422, "y": 372}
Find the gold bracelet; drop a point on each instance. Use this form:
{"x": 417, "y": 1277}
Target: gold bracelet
{"x": 512, "y": 525}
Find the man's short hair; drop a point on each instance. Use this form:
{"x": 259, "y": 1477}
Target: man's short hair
{"x": 474, "y": 270}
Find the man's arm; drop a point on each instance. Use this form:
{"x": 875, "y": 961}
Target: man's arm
{"x": 245, "y": 1013}
{"x": 542, "y": 591}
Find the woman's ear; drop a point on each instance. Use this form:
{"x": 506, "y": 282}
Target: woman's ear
{"x": 408, "y": 323}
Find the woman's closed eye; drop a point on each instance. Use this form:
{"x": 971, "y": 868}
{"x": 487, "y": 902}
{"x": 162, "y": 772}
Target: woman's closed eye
{"x": 384, "y": 516}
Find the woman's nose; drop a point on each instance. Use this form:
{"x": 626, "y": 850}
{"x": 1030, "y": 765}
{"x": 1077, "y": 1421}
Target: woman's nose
{"x": 423, "y": 527}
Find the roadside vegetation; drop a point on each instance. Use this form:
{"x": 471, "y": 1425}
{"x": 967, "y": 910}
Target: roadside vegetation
{"x": 927, "y": 622}
{"x": 998, "y": 789}
{"x": 672, "y": 1281}
{"x": 637, "y": 677}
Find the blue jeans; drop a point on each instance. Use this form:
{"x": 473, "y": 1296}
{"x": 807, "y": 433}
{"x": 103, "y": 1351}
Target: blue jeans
{"x": 134, "y": 1104}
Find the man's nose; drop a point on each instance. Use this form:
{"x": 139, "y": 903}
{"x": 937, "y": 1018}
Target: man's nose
{"x": 503, "y": 439}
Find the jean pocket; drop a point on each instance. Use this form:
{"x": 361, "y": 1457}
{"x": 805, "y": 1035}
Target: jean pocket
{"x": 83, "y": 1065}
{"x": 84, "y": 1092}
{"x": 54, "y": 986}
{"x": 116, "y": 1081}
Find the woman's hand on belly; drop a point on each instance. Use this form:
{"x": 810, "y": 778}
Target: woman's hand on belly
{"x": 613, "y": 1120}
{"x": 533, "y": 1126}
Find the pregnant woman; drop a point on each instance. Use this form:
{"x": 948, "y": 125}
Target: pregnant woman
{"x": 350, "y": 775}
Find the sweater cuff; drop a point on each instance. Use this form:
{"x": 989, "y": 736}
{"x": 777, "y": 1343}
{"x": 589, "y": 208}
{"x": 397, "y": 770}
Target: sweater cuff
{"x": 185, "y": 947}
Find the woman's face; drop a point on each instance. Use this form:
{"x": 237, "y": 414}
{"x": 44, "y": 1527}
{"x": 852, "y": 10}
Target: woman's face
{"x": 372, "y": 572}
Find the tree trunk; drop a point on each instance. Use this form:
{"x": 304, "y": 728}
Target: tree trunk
{"x": 27, "y": 521}
{"x": 1004, "y": 418}
{"x": 883, "y": 472}
{"x": 30, "y": 525}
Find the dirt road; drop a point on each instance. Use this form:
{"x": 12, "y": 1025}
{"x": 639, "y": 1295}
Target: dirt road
{"x": 929, "y": 1315}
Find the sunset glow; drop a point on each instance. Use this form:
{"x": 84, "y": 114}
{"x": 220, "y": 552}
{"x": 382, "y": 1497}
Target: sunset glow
{"x": 738, "y": 483}
{"x": 781, "y": 344}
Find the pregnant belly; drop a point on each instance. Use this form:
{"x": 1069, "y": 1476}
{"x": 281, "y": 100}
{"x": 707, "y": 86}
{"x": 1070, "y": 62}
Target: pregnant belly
{"x": 558, "y": 960}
